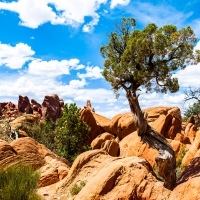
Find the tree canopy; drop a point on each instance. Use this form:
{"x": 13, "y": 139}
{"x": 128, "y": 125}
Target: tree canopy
{"x": 147, "y": 57}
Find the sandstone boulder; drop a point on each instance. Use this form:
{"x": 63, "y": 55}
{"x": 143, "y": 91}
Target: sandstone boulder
{"x": 182, "y": 138}
{"x": 169, "y": 123}
{"x": 100, "y": 139}
{"x": 190, "y": 131}
{"x": 122, "y": 125}
{"x": 111, "y": 178}
{"x": 188, "y": 187}
{"x": 96, "y": 129}
{"x": 53, "y": 168}
{"x": 132, "y": 145}
{"x": 155, "y": 112}
{"x": 193, "y": 150}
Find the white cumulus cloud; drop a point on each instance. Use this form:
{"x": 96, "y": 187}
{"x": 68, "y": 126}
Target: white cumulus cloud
{"x": 34, "y": 13}
{"x": 16, "y": 56}
{"x": 53, "y": 68}
{"x": 91, "y": 72}
{"x": 115, "y": 3}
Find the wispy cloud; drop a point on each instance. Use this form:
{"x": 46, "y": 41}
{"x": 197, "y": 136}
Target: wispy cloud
{"x": 161, "y": 14}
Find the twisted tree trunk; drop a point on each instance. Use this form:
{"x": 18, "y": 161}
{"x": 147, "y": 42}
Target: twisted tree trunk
{"x": 166, "y": 160}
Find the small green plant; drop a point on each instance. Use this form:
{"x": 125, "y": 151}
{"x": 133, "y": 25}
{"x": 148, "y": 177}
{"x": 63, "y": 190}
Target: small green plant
{"x": 18, "y": 183}
{"x": 179, "y": 165}
{"x": 77, "y": 188}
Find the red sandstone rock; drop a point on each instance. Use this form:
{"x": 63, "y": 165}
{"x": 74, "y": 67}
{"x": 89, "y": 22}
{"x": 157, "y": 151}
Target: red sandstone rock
{"x": 111, "y": 178}
{"x": 182, "y": 138}
{"x": 188, "y": 186}
{"x": 190, "y": 131}
{"x": 122, "y": 125}
{"x": 96, "y": 129}
{"x": 193, "y": 150}
{"x": 24, "y": 105}
{"x": 99, "y": 140}
{"x": 31, "y": 152}
{"x": 132, "y": 145}
{"x": 51, "y": 106}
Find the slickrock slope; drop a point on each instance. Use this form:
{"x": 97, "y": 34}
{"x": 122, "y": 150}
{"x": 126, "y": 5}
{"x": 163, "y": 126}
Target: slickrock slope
{"x": 53, "y": 168}
{"x": 109, "y": 178}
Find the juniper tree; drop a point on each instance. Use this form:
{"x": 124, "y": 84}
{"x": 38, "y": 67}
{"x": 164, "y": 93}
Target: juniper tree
{"x": 147, "y": 58}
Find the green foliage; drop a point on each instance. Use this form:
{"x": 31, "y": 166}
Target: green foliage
{"x": 18, "y": 183}
{"x": 71, "y": 132}
{"x": 179, "y": 165}
{"x": 48, "y": 134}
{"x": 147, "y": 57}
{"x": 77, "y": 188}
{"x": 193, "y": 110}
{"x": 32, "y": 129}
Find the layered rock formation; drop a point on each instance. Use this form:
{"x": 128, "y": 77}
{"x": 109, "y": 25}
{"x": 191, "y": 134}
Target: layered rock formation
{"x": 53, "y": 168}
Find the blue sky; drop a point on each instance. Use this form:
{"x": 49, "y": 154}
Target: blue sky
{"x": 52, "y": 46}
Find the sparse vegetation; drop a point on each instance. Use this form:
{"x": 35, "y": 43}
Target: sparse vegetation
{"x": 18, "y": 183}
{"x": 77, "y": 188}
{"x": 179, "y": 165}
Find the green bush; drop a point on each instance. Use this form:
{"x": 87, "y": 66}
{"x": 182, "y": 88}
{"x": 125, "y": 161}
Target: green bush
{"x": 18, "y": 183}
{"x": 72, "y": 133}
{"x": 77, "y": 188}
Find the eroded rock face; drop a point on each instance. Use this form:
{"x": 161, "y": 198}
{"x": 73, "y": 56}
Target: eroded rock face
{"x": 110, "y": 177}
{"x": 168, "y": 123}
{"x": 53, "y": 168}
{"x": 8, "y": 110}
{"x": 132, "y": 145}
{"x": 51, "y": 106}
{"x": 188, "y": 186}
{"x": 193, "y": 150}
{"x": 24, "y": 105}
{"x": 166, "y": 120}
{"x": 95, "y": 122}
{"x": 190, "y": 131}
{"x": 122, "y": 125}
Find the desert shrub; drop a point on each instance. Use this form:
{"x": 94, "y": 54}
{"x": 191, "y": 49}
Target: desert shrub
{"x": 72, "y": 133}
{"x": 75, "y": 189}
{"x": 179, "y": 165}
{"x": 48, "y": 134}
{"x": 18, "y": 183}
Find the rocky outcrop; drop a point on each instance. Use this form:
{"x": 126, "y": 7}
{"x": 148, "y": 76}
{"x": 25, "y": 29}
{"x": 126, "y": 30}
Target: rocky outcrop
{"x": 190, "y": 131}
{"x": 87, "y": 116}
{"x": 53, "y": 168}
{"x": 132, "y": 145}
{"x": 122, "y": 125}
{"x": 166, "y": 120}
{"x": 193, "y": 150}
{"x": 100, "y": 139}
{"x": 51, "y": 106}
{"x": 24, "y": 105}
{"x": 8, "y": 111}
{"x": 169, "y": 123}
{"x": 188, "y": 186}
{"x": 109, "y": 177}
